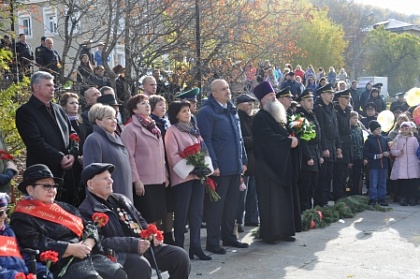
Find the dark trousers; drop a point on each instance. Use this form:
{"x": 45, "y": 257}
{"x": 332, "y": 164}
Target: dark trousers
{"x": 251, "y": 202}
{"x": 307, "y": 186}
{"x": 221, "y": 214}
{"x": 169, "y": 258}
{"x": 340, "y": 174}
{"x": 188, "y": 202}
{"x": 356, "y": 176}
{"x": 323, "y": 186}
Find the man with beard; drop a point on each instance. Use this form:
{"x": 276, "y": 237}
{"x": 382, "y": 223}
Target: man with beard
{"x": 330, "y": 142}
{"x": 311, "y": 152}
{"x": 272, "y": 146}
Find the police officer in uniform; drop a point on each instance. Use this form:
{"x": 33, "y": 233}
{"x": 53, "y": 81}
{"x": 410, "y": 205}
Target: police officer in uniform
{"x": 344, "y": 159}
{"x": 400, "y": 102}
{"x": 311, "y": 152}
{"x": 330, "y": 142}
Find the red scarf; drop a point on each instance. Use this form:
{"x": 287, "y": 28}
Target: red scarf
{"x": 51, "y": 212}
{"x": 9, "y": 247}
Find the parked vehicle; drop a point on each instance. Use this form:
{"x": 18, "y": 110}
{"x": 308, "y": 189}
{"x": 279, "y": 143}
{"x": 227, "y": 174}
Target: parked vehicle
{"x": 362, "y": 81}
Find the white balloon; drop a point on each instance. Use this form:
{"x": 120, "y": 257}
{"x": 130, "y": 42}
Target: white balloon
{"x": 386, "y": 118}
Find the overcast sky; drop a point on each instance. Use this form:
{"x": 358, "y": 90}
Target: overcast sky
{"x": 403, "y": 6}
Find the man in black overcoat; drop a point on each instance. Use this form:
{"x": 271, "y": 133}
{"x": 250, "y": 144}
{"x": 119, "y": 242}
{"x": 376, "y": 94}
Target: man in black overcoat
{"x": 311, "y": 152}
{"x": 45, "y": 128}
{"x": 330, "y": 142}
{"x": 272, "y": 146}
{"x": 341, "y": 167}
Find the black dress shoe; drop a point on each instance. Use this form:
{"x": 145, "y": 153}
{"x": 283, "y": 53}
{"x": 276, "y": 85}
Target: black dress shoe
{"x": 270, "y": 240}
{"x": 286, "y": 238}
{"x": 216, "y": 250}
{"x": 236, "y": 244}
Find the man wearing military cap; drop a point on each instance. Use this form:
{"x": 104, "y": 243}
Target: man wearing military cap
{"x": 344, "y": 159}
{"x": 370, "y": 111}
{"x": 285, "y": 97}
{"x": 295, "y": 88}
{"x": 311, "y": 152}
{"x": 400, "y": 102}
{"x": 330, "y": 141}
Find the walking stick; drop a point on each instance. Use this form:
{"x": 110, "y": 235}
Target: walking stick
{"x": 152, "y": 253}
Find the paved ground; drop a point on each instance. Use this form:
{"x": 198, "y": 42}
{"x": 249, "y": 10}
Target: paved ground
{"x": 371, "y": 245}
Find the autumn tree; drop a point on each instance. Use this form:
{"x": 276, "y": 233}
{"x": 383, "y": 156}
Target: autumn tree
{"x": 321, "y": 42}
{"x": 396, "y": 56}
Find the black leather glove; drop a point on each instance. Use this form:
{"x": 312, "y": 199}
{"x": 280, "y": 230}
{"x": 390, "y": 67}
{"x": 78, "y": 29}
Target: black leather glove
{"x": 201, "y": 171}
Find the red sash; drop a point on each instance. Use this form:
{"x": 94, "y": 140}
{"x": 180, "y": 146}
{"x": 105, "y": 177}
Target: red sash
{"x": 9, "y": 247}
{"x": 51, "y": 212}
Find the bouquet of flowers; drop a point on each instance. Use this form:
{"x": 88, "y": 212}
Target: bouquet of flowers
{"x": 100, "y": 220}
{"x": 300, "y": 126}
{"x": 48, "y": 257}
{"x": 21, "y": 275}
{"x": 150, "y": 234}
{"x": 6, "y": 156}
{"x": 74, "y": 144}
{"x": 200, "y": 164}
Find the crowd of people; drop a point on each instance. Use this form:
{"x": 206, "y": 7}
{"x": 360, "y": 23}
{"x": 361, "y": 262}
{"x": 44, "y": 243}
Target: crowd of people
{"x": 305, "y": 146}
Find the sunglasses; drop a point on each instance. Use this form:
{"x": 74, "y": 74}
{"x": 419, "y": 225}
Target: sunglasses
{"x": 48, "y": 187}
{"x": 4, "y": 211}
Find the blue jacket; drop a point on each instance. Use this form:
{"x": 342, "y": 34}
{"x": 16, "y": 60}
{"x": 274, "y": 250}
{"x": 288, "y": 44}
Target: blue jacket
{"x": 220, "y": 129}
{"x": 10, "y": 266}
{"x": 376, "y": 145}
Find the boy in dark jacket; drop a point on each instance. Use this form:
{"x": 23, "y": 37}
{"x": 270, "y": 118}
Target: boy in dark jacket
{"x": 376, "y": 150}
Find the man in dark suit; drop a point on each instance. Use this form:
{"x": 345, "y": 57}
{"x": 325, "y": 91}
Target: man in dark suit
{"x": 45, "y": 128}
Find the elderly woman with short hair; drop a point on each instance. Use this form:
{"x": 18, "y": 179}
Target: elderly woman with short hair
{"x": 144, "y": 143}
{"x": 105, "y": 146}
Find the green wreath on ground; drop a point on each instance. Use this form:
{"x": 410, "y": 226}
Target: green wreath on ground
{"x": 320, "y": 217}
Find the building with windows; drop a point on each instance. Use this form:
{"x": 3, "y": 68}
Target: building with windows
{"x": 69, "y": 27}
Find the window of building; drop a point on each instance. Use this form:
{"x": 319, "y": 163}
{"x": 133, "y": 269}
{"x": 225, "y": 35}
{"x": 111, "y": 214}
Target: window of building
{"x": 25, "y": 24}
{"x": 50, "y": 21}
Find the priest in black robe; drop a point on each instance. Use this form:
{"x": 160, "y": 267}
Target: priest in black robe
{"x": 272, "y": 147}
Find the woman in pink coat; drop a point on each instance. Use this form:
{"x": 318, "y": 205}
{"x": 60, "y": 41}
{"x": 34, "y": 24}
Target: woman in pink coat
{"x": 406, "y": 167}
{"x": 146, "y": 152}
{"x": 187, "y": 189}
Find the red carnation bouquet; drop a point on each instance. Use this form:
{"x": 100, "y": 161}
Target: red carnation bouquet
{"x": 48, "y": 257}
{"x": 6, "y": 156}
{"x": 100, "y": 220}
{"x": 195, "y": 156}
{"x": 74, "y": 144}
{"x": 21, "y": 275}
{"x": 151, "y": 233}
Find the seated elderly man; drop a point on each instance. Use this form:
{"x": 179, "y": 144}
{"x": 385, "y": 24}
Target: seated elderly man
{"x": 122, "y": 232}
